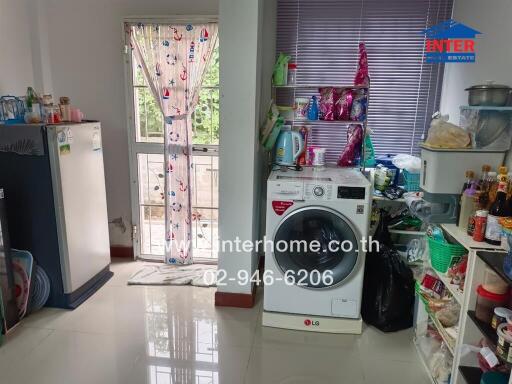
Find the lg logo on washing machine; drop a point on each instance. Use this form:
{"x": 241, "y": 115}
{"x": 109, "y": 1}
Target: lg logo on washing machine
{"x": 309, "y": 323}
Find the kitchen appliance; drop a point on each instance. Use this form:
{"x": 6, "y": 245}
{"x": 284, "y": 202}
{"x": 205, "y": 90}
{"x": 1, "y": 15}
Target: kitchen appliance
{"x": 443, "y": 173}
{"x": 10, "y": 314}
{"x": 488, "y": 94}
{"x": 289, "y": 146}
{"x": 56, "y": 204}
{"x": 311, "y": 205}
{"x": 489, "y": 127}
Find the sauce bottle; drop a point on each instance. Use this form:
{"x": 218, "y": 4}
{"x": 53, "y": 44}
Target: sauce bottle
{"x": 492, "y": 186}
{"x": 469, "y": 178}
{"x": 477, "y": 205}
{"x": 498, "y": 209}
{"x": 467, "y": 206}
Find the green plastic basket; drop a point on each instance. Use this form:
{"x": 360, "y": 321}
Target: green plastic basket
{"x": 411, "y": 181}
{"x": 444, "y": 255}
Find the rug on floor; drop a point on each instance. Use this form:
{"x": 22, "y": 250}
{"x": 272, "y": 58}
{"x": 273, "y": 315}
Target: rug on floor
{"x": 198, "y": 275}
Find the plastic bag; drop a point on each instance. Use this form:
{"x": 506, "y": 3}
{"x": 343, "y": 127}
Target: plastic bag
{"x": 359, "y": 103}
{"x": 362, "y": 75}
{"x": 369, "y": 152}
{"x": 352, "y": 150}
{"x": 443, "y": 134}
{"x": 279, "y": 76}
{"x": 326, "y": 104}
{"x": 410, "y": 163}
{"x": 388, "y": 291}
{"x": 449, "y": 315}
{"x": 343, "y": 104}
{"x": 440, "y": 365}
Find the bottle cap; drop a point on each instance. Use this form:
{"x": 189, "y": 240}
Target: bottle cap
{"x": 292, "y": 66}
{"x": 481, "y": 213}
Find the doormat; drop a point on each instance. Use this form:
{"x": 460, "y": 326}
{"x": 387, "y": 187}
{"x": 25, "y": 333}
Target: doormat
{"x": 198, "y": 275}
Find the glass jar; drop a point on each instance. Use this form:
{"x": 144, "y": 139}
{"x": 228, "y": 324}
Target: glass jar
{"x": 292, "y": 73}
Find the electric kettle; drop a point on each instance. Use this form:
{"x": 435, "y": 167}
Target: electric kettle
{"x": 289, "y": 146}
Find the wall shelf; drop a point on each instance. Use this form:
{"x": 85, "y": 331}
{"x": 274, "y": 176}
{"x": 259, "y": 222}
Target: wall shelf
{"x": 486, "y": 108}
{"x": 495, "y": 261}
{"x": 481, "y": 256}
{"x": 326, "y": 122}
{"x": 456, "y": 293}
{"x": 465, "y": 240}
{"x": 406, "y": 232}
{"x": 489, "y": 333}
{"x": 383, "y": 198}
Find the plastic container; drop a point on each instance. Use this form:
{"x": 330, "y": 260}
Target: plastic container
{"x": 301, "y": 108}
{"x": 318, "y": 157}
{"x": 467, "y": 207}
{"x": 500, "y": 316}
{"x": 486, "y": 302}
{"x": 411, "y": 181}
{"x": 503, "y": 348}
{"x": 387, "y": 161}
{"x": 292, "y": 73}
{"x": 444, "y": 255}
{"x": 494, "y": 283}
{"x": 443, "y": 170}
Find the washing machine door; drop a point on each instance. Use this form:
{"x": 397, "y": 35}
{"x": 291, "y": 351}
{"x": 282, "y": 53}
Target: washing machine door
{"x": 316, "y": 225}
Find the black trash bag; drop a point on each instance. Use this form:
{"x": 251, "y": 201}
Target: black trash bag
{"x": 388, "y": 289}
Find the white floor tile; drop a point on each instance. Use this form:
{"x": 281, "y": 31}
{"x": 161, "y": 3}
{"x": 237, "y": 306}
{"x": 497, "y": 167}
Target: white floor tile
{"x": 304, "y": 364}
{"x": 393, "y": 372}
{"x": 176, "y": 335}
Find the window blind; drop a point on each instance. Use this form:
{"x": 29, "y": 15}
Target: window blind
{"x": 322, "y": 36}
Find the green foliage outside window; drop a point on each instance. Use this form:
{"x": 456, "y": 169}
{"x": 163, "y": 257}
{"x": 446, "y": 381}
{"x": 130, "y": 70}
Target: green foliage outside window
{"x": 205, "y": 123}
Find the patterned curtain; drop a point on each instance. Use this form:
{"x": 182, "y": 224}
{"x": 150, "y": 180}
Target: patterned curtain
{"x": 173, "y": 59}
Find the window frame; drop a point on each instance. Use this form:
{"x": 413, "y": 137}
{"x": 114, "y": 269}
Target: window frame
{"x": 136, "y": 147}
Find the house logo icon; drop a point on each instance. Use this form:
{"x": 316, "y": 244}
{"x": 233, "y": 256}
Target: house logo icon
{"x": 450, "y": 42}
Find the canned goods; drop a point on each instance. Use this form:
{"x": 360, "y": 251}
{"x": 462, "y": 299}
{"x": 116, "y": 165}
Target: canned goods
{"x": 480, "y": 221}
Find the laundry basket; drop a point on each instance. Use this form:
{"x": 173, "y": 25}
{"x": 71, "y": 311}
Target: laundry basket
{"x": 444, "y": 255}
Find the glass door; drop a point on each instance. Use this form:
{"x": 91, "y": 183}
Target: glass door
{"x": 147, "y": 166}
{"x": 337, "y": 251}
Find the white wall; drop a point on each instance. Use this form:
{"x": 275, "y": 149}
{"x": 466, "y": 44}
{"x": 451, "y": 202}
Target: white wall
{"x": 493, "y": 51}
{"x": 86, "y": 63}
{"x": 16, "y": 71}
{"x": 247, "y": 35}
{"x": 239, "y": 117}
{"x": 267, "y": 56}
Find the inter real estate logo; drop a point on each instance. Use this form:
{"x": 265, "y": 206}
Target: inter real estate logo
{"x": 450, "y": 42}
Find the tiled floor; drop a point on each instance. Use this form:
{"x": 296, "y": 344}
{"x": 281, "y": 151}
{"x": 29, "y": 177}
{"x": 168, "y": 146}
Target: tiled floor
{"x": 175, "y": 335}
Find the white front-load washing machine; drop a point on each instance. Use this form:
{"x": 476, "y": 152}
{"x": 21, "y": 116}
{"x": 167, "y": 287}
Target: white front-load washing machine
{"x": 314, "y": 264}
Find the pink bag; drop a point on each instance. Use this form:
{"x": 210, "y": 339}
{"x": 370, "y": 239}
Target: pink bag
{"x": 352, "y": 150}
{"x": 362, "y": 75}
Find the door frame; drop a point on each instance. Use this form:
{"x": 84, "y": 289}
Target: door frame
{"x": 135, "y": 147}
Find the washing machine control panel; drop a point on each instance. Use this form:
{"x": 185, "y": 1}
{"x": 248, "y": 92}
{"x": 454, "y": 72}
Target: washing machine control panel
{"x": 316, "y": 191}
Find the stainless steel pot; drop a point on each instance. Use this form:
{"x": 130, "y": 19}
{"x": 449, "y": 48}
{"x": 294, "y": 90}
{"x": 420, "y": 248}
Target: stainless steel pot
{"x": 489, "y": 94}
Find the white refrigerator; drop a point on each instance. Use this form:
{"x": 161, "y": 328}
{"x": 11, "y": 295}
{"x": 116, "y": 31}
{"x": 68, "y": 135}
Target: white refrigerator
{"x": 60, "y": 204}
